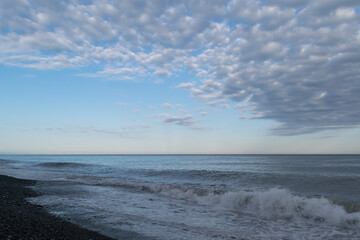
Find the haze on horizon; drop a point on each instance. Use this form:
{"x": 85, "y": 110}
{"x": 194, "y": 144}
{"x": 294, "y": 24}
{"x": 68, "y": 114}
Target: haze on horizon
{"x": 238, "y": 76}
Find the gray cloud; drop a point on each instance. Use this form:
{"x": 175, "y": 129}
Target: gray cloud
{"x": 209, "y": 91}
{"x": 185, "y": 120}
{"x": 295, "y": 62}
{"x": 179, "y": 120}
{"x": 304, "y": 76}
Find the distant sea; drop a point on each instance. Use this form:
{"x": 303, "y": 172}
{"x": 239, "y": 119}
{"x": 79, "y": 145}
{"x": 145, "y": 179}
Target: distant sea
{"x": 200, "y": 196}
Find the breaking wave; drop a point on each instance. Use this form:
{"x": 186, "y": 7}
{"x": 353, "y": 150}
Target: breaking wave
{"x": 280, "y": 203}
{"x": 270, "y": 204}
{"x": 274, "y": 203}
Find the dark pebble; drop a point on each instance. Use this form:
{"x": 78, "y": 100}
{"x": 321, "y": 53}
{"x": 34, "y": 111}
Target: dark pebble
{"x": 22, "y": 220}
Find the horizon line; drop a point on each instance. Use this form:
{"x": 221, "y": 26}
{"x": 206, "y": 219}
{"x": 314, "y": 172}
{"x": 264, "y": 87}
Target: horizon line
{"x": 84, "y": 154}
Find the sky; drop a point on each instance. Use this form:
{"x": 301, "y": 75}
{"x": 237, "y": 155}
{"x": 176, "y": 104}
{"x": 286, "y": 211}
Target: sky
{"x": 238, "y": 76}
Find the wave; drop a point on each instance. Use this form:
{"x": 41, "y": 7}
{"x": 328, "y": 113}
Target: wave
{"x": 274, "y": 203}
{"x": 281, "y": 203}
{"x": 208, "y": 175}
{"x": 271, "y": 204}
{"x": 6, "y": 161}
{"x": 61, "y": 164}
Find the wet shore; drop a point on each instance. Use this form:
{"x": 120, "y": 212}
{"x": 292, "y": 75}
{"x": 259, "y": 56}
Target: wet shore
{"x": 20, "y": 219}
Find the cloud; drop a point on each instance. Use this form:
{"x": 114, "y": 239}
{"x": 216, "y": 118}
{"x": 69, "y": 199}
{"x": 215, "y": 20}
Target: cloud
{"x": 185, "y": 120}
{"x": 167, "y": 105}
{"x": 171, "y": 106}
{"x": 185, "y": 85}
{"x": 210, "y": 92}
{"x": 295, "y": 62}
{"x": 118, "y": 73}
{"x": 304, "y": 76}
{"x": 125, "y": 131}
{"x": 179, "y": 120}
{"x": 162, "y": 72}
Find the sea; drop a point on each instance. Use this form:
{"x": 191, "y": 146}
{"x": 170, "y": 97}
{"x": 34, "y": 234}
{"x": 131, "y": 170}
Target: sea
{"x": 199, "y": 196}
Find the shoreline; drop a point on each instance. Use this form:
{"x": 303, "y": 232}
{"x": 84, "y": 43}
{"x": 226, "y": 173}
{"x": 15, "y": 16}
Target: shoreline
{"x": 20, "y": 219}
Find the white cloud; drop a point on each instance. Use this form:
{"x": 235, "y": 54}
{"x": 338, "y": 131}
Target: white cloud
{"x": 185, "y": 85}
{"x": 167, "y": 105}
{"x": 297, "y": 59}
{"x": 119, "y": 71}
{"x": 162, "y": 72}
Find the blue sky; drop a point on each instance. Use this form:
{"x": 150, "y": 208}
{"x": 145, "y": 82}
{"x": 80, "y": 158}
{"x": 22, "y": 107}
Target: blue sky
{"x": 237, "y": 76}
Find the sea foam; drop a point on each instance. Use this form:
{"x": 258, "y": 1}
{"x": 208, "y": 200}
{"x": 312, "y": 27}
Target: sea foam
{"x": 274, "y": 203}
{"x": 281, "y": 203}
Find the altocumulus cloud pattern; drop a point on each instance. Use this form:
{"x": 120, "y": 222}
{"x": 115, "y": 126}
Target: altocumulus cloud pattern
{"x": 295, "y": 62}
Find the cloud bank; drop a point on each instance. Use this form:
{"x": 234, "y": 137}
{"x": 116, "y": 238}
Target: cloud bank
{"x": 295, "y": 62}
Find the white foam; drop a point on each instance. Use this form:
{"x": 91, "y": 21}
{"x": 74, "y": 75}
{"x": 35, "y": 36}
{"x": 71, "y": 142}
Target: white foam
{"x": 271, "y": 204}
{"x": 280, "y": 203}
{"x": 274, "y": 203}
{"x": 165, "y": 210}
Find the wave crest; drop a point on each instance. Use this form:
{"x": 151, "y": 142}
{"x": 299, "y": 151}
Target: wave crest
{"x": 271, "y": 204}
{"x": 61, "y": 164}
{"x": 280, "y": 203}
{"x": 274, "y": 203}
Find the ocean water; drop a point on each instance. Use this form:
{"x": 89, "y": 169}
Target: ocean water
{"x": 199, "y": 196}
